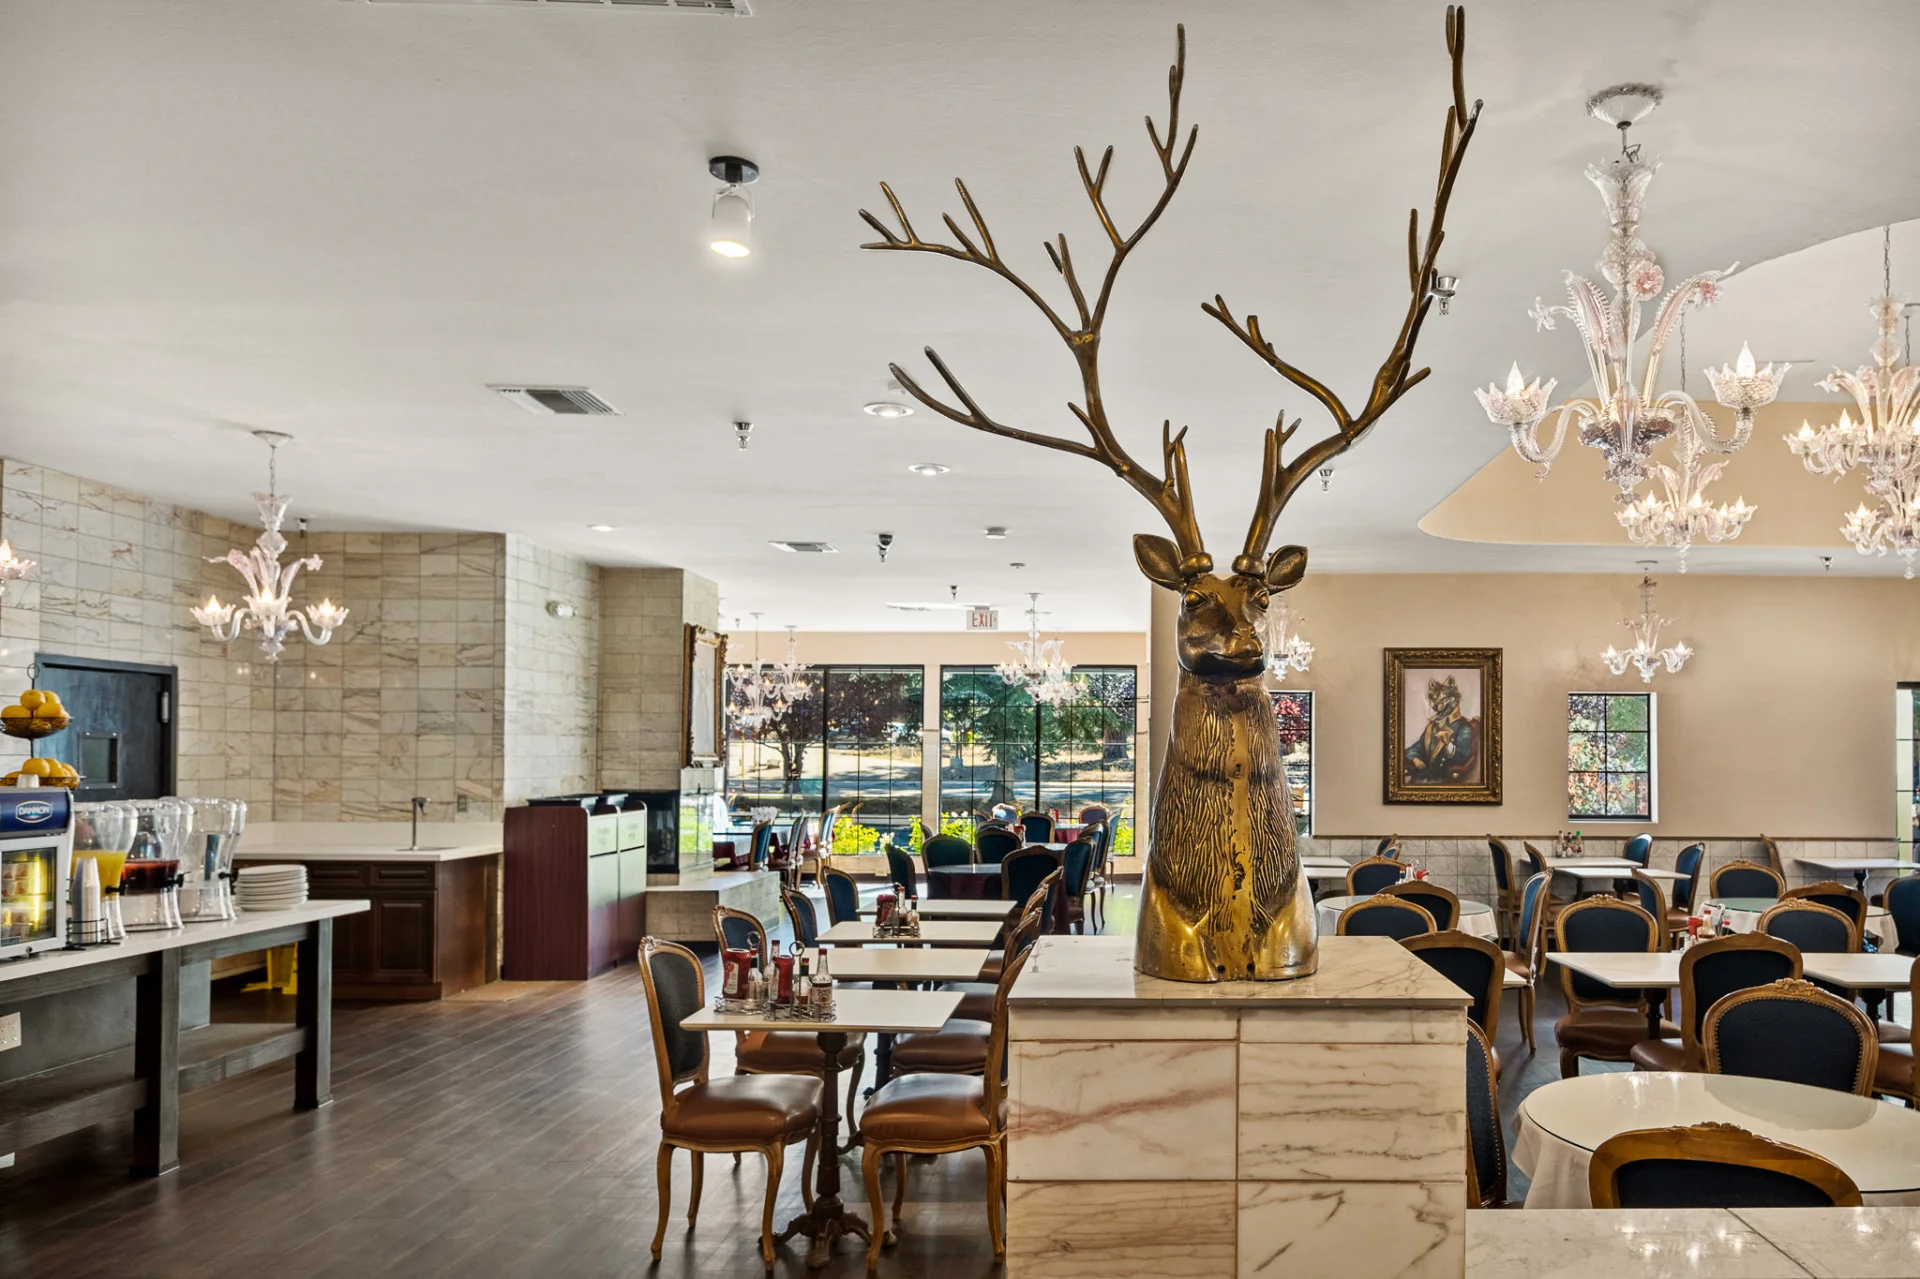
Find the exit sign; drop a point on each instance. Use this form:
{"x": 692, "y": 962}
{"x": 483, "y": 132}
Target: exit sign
{"x": 983, "y": 619}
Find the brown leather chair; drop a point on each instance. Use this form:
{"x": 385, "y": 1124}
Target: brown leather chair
{"x": 943, "y": 1114}
{"x": 1602, "y": 1022}
{"x": 1893, "y": 1074}
{"x": 1709, "y": 972}
{"x": 976, "y": 999}
{"x": 761, "y": 1113}
{"x": 1692, "y": 1168}
{"x": 1506, "y": 905}
{"x": 781, "y": 1052}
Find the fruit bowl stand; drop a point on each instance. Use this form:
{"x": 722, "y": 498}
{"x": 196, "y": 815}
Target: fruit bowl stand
{"x": 32, "y": 728}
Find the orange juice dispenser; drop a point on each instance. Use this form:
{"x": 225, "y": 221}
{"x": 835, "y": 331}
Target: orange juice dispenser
{"x": 36, "y": 858}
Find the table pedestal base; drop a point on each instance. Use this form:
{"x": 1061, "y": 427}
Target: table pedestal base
{"x": 828, "y": 1219}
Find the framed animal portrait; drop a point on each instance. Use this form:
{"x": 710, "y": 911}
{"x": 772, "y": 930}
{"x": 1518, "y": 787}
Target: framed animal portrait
{"x": 1442, "y": 731}
{"x": 704, "y": 696}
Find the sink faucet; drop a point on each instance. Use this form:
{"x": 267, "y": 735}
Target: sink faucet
{"x": 419, "y": 806}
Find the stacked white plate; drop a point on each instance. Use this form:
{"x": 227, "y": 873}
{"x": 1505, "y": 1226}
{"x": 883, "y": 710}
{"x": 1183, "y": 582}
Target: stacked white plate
{"x": 272, "y": 887}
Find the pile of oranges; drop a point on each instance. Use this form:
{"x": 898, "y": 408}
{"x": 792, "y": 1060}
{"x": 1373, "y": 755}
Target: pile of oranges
{"x": 29, "y": 717}
{"x": 51, "y": 772}
{"x": 35, "y": 703}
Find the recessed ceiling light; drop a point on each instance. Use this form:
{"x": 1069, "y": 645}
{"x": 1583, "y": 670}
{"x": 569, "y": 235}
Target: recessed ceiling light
{"x": 929, "y": 468}
{"x": 600, "y": 528}
{"x": 996, "y": 532}
{"x": 887, "y": 408}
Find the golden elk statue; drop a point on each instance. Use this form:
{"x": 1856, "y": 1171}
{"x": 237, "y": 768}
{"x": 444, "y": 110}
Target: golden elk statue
{"x": 1223, "y": 898}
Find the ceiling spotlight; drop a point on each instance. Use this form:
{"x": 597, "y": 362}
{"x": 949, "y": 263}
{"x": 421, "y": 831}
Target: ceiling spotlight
{"x": 731, "y": 235}
{"x": 741, "y": 431}
{"x": 886, "y": 540}
{"x": 887, "y": 408}
{"x": 996, "y": 532}
{"x": 600, "y": 528}
{"x": 929, "y": 468}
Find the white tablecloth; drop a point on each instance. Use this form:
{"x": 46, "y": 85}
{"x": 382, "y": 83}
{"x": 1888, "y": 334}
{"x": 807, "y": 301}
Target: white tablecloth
{"x": 1878, "y": 923}
{"x": 1479, "y": 925}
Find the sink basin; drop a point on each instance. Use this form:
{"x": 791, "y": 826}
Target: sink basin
{"x": 428, "y": 848}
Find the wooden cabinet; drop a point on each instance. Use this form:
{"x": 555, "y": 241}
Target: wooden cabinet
{"x": 575, "y": 891}
{"x": 426, "y": 934}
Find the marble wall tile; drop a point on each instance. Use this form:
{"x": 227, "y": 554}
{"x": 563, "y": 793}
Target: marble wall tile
{"x": 1151, "y": 1111}
{"x": 1352, "y": 1112}
{"x": 1099, "y": 1230}
{"x": 1349, "y": 1026}
{"x": 1041, "y": 1024}
{"x": 1356, "y": 1230}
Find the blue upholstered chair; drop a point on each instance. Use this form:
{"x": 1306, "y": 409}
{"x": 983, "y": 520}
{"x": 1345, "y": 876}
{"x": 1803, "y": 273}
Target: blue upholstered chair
{"x": 843, "y": 896}
{"x": 1638, "y": 850}
{"x": 1793, "y": 1031}
{"x": 1646, "y": 891}
{"x": 1365, "y": 878}
{"x": 1745, "y": 879}
{"x": 1604, "y": 1022}
{"x": 1709, "y": 972}
{"x": 806, "y": 924}
{"x": 1388, "y": 847}
{"x": 1095, "y": 813}
{"x": 1903, "y": 905}
{"x": 1076, "y": 863}
{"x": 1813, "y": 929}
{"x": 737, "y": 930}
{"x": 946, "y": 850}
{"x": 1687, "y": 864}
{"x": 1475, "y": 965}
{"x": 1037, "y": 827}
{"x": 900, "y": 867}
{"x": 994, "y": 841}
{"x": 1486, "y": 1143}
{"x": 1385, "y": 917}
{"x": 1020, "y": 876}
{"x": 1528, "y": 955}
{"x": 1506, "y": 903}
{"x": 760, "y": 846}
{"x": 1845, "y": 898}
{"x": 1712, "y": 1166}
{"x": 1437, "y": 901}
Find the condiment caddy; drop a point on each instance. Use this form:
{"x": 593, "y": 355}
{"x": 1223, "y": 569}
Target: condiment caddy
{"x": 800, "y": 987}
{"x": 896, "y": 914}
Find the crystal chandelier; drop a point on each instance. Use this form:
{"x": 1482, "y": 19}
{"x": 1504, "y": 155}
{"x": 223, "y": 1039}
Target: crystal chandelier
{"x": 1625, "y": 418}
{"x": 792, "y": 685}
{"x": 1885, "y": 442}
{"x": 755, "y": 686}
{"x": 268, "y": 605}
{"x": 1685, "y": 515}
{"x": 1287, "y": 650}
{"x": 1041, "y": 670}
{"x": 1646, "y": 653}
{"x": 12, "y": 567}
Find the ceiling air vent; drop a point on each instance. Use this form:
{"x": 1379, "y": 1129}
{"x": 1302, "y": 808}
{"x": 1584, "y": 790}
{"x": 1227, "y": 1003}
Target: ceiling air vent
{"x": 576, "y": 401}
{"x": 806, "y": 548}
{"x": 725, "y": 8}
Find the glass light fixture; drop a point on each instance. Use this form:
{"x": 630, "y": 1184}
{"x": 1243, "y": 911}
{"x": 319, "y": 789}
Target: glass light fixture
{"x": 1041, "y": 668}
{"x": 1626, "y": 418}
{"x": 792, "y": 686}
{"x": 731, "y": 232}
{"x": 1885, "y": 442}
{"x": 1287, "y": 650}
{"x": 1646, "y": 653}
{"x": 754, "y": 686}
{"x": 12, "y": 567}
{"x": 268, "y": 605}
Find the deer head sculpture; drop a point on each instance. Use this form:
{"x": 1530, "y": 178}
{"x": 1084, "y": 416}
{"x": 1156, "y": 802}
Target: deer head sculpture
{"x": 1222, "y": 897}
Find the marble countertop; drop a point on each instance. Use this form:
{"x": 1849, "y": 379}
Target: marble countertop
{"x": 368, "y": 841}
{"x": 1354, "y": 971}
{"x": 1747, "y": 1243}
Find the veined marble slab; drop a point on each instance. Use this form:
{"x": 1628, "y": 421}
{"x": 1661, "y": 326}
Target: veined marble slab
{"x": 1143, "y": 1111}
{"x": 1353, "y": 1112}
{"x": 1110, "y": 1229}
{"x": 1365, "y": 1230}
{"x": 1857, "y": 1243}
{"x": 1578, "y": 1243}
{"x": 1354, "y": 972}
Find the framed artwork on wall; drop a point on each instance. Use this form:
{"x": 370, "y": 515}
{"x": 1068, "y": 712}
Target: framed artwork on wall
{"x": 1441, "y": 737}
{"x": 703, "y": 697}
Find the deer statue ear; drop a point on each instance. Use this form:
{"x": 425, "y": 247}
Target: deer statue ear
{"x": 1159, "y": 559}
{"x": 1285, "y": 567}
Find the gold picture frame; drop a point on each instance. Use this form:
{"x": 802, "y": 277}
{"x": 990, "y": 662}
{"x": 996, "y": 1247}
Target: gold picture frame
{"x": 703, "y": 694}
{"x": 1441, "y": 735}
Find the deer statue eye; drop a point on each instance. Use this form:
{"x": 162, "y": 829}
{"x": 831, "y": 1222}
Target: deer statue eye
{"x": 1259, "y": 597}
{"x": 1193, "y": 600}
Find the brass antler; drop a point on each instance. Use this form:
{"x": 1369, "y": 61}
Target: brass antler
{"x": 1278, "y": 481}
{"x": 1171, "y": 495}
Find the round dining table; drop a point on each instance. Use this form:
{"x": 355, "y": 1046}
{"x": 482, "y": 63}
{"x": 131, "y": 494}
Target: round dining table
{"x": 1742, "y": 914}
{"x": 1561, "y": 1124}
{"x": 1476, "y": 918}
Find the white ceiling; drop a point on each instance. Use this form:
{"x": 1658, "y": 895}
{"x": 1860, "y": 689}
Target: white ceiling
{"x": 343, "y": 219}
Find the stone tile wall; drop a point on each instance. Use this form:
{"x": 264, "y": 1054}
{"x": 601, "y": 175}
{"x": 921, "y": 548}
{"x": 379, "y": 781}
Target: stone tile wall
{"x": 644, "y": 613}
{"x": 552, "y": 673}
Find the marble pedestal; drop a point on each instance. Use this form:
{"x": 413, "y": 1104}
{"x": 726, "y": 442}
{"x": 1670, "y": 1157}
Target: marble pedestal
{"x": 1312, "y": 1127}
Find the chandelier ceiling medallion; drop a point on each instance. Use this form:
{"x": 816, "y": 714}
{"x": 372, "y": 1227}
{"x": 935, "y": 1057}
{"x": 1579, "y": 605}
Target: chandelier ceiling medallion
{"x": 1041, "y": 669}
{"x": 1287, "y": 649}
{"x": 1646, "y": 653}
{"x": 268, "y": 605}
{"x": 1885, "y": 442}
{"x": 1625, "y": 418}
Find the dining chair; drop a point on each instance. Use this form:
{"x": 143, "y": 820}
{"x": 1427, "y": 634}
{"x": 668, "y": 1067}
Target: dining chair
{"x": 1745, "y": 879}
{"x": 1439, "y": 902}
{"x": 1385, "y": 917}
{"x": 1638, "y": 850}
{"x": 1712, "y": 1166}
{"x": 800, "y": 913}
{"x": 1097, "y": 877}
{"x": 942, "y": 1114}
{"x": 780, "y": 1052}
{"x": 1388, "y": 847}
{"x": 1021, "y": 873}
{"x": 1845, "y": 898}
{"x": 994, "y": 841}
{"x": 1095, "y": 813}
{"x": 1903, "y": 907}
{"x": 1486, "y": 1143}
{"x": 1709, "y": 972}
{"x": 976, "y": 997}
{"x": 1603, "y": 1022}
{"x": 1774, "y": 862}
{"x": 1536, "y": 860}
{"x": 1812, "y": 928}
{"x": 901, "y": 869}
{"x": 1506, "y": 901}
{"x": 1530, "y": 949}
{"x": 945, "y": 850}
{"x": 829, "y": 822}
{"x": 756, "y": 1113}
{"x": 760, "y": 846}
{"x": 1793, "y": 1031}
{"x": 1037, "y": 826}
{"x": 1076, "y": 864}
{"x": 1893, "y": 1074}
{"x": 1647, "y": 895}
{"x": 1475, "y": 965}
{"x": 1369, "y": 876}
{"x": 1687, "y": 864}
{"x": 843, "y": 895}
{"x": 1039, "y": 906}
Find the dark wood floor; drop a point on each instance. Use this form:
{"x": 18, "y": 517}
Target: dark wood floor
{"x": 473, "y": 1137}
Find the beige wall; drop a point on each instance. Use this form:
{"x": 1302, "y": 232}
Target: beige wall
{"x": 552, "y": 673}
{"x": 642, "y": 723}
{"x": 1782, "y": 723}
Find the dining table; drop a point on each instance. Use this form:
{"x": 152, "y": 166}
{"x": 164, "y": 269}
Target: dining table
{"x": 933, "y": 932}
{"x": 977, "y": 880}
{"x": 1643, "y": 970}
{"x": 1476, "y": 918}
{"x": 855, "y": 1013}
{"x": 1862, "y": 970}
{"x": 1742, "y": 914}
{"x": 955, "y": 908}
{"x": 890, "y": 968}
{"x": 1859, "y": 867}
{"x": 1876, "y": 1143}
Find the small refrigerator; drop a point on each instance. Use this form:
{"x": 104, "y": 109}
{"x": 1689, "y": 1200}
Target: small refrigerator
{"x": 36, "y": 857}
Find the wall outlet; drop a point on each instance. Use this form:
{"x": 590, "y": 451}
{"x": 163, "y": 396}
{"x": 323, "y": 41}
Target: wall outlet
{"x": 9, "y": 1031}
